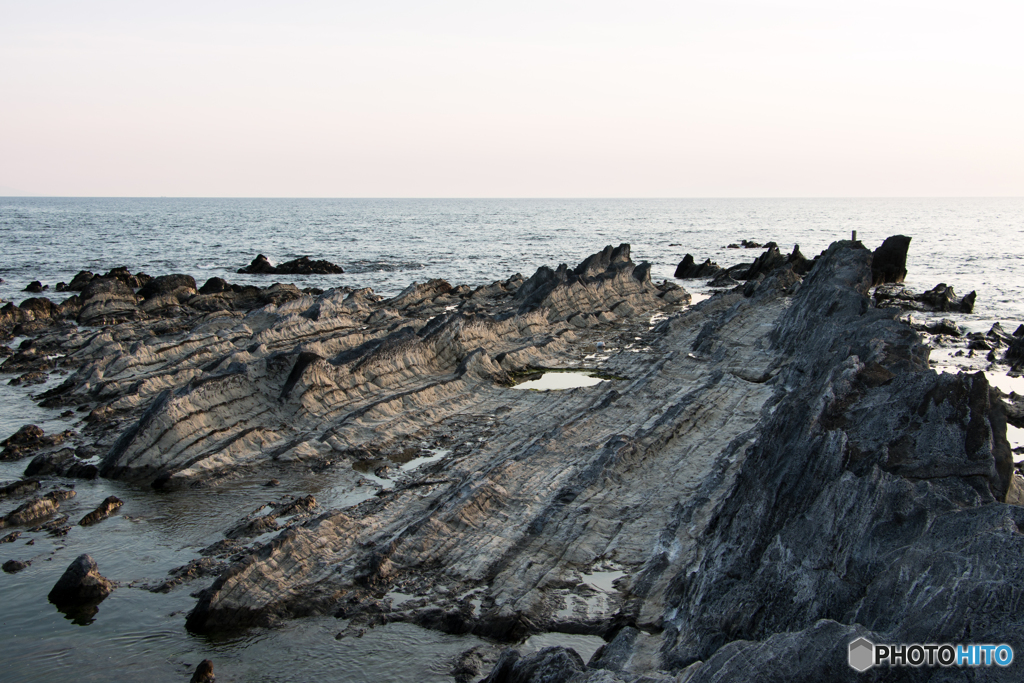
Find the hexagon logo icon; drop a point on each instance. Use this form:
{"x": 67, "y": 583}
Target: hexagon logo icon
{"x": 862, "y": 654}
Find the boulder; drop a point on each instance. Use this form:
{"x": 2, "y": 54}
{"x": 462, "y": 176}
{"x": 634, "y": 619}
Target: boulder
{"x": 259, "y": 266}
{"x": 18, "y": 488}
{"x": 215, "y": 285}
{"x": 35, "y": 287}
{"x": 889, "y": 261}
{"x": 36, "y": 509}
{"x": 81, "y": 584}
{"x": 63, "y": 463}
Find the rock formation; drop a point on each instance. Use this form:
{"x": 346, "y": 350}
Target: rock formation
{"x": 81, "y": 584}
{"x": 688, "y": 269}
{"x": 300, "y": 266}
{"x": 889, "y": 261}
{"x": 771, "y": 473}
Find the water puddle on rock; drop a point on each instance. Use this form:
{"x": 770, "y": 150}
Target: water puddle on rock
{"x": 562, "y": 379}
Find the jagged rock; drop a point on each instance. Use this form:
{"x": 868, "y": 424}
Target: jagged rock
{"x": 550, "y": 665}
{"x": 944, "y": 326}
{"x": 11, "y": 537}
{"x": 801, "y": 264}
{"x": 19, "y": 488}
{"x": 81, "y": 584}
{"x": 36, "y": 509}
{"x": 941, "y": 298}
{"x": 63, "y": 463}
{"x": 300, "y": 266}
{"x": 203, "y": 673}
{"x": 766, "y": 262}
{"x": 27, "y": 440}
{"x": 104, "y": 510}
{"x": 687, "y": 268}
{"x": 13, "y": 566}
{"x": 889, "y": 261}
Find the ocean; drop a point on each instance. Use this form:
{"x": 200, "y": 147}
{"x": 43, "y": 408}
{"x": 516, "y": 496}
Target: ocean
{"x": 972, "y": 244}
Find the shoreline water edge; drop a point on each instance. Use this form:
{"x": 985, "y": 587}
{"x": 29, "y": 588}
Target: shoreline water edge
{"x": 761, "y": 464}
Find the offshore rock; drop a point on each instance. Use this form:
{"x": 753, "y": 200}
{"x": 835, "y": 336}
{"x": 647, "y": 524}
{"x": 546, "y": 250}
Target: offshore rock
{"x": 63, "y": 463}
{"x": 688, "y": 268}
{"x": 300, "y": 266}
{"x": 14, "y": 566}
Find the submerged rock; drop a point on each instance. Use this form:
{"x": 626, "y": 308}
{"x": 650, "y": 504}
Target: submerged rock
{"x": 13, "y": 566}
{"x": 104, "y": 510}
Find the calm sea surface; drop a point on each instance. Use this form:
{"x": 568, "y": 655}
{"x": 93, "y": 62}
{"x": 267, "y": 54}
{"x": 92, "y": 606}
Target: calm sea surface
{"x": 383, "y": 244}
{"x": 386, "y": 244}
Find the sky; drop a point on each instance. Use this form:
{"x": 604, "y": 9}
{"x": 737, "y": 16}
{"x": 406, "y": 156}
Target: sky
{"x": 731, "y": 98}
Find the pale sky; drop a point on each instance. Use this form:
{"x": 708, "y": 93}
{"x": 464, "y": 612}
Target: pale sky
{"x": 526, "y": 99}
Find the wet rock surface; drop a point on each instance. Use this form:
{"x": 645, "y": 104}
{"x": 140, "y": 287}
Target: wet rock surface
{"x": 81, "y": 585}
{"x": 300, "y": 266}
{"x": 762, "y": 476}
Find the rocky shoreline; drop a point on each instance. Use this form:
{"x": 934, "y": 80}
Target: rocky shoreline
{"x": 767, "y": 474}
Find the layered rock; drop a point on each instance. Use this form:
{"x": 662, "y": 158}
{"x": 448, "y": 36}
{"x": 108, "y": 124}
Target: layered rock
{"x": 688, "y": 268}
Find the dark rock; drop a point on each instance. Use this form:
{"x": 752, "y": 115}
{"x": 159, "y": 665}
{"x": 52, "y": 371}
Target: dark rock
{"x": 259, "y": 266}
{"x": 889, "y": 261}
{"x": 12, "y": 566}
{"x": 204, "y": 673}
{"x": 688, "y": 269}
{"x": 79, "y": 281}
{"x": 41, "y": 308}
{"x": 36, "y": 509}
{"x": 550, "y": 665}
{"x": 104, "y": 510}
{"x": 300, "y": 266}
{"x": 80, "y": 584}
{"x": 944, "y": 326}
{"x": 801, "y": 264}
{"x": 273, "y": 482}
{"x": 771, "y": 259}
{"x": 1019, "y": 332}
{"x": 215, "y": 285}
{"x": 35, "y": 287}
{"x": 11, "y": 537}
{"x": 27, "y": 440}
{"x": 19, "y": 488}
{"x": 28, "y": 379}
{"x": 122, "y": 274}
{"x": 167, "y": 284}
{"x": 1015, "y": 352}
{"x": 724, "y": 280}
{"x": 940, "y": 299}
{"x": 108, "y": 300}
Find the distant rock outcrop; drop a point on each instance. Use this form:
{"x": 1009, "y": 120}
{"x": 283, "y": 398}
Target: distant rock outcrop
{"x": 300, "y": 266}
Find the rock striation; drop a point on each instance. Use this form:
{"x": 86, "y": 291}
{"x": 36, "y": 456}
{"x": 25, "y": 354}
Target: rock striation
{"x": 768, "y": 475}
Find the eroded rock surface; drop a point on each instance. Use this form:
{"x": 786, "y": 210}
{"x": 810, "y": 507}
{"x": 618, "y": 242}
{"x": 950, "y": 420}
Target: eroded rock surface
{"x": 762, "y": 476}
